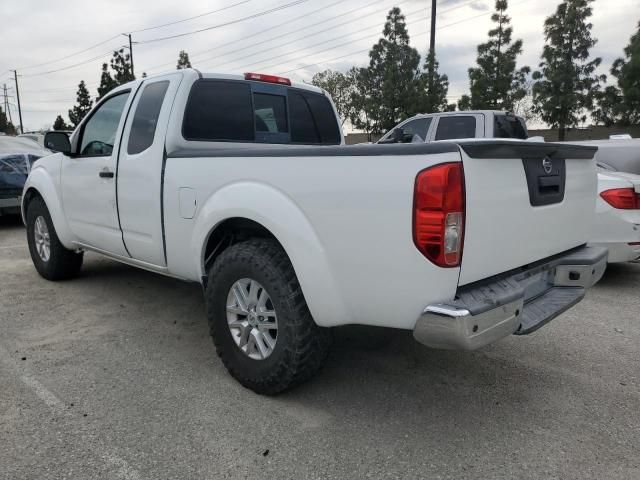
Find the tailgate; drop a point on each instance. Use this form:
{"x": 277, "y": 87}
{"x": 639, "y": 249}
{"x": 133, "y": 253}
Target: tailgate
{"x": 525, "y": 201}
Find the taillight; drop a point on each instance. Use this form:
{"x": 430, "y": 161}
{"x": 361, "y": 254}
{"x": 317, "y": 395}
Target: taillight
{"x": 438, "y": 213}
{"x": 261, "y": 77}
{"x": 622, "y": 198}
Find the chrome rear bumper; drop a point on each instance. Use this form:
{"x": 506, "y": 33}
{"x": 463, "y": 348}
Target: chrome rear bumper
{"x": 519, "y": 302}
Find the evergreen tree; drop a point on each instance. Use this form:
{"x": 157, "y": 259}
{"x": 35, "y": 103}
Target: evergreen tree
{"x": 566, "y": 84}
{"x": 107, "y": 83}
{"x": 464, "y": 103}
{"x": 5, "y": 125}
{"x": 59, "y": 124}
{"x": 83, "y": 107}
{"x": 340, "y": 86}
{"x": 496, "y": 83}
{"x": 627, "y": 72}
{"x": 183, "y": 60}
{"x": 121, "y": 66}
{"x": 434, "y": 88}
{"x": 391, "y": 79}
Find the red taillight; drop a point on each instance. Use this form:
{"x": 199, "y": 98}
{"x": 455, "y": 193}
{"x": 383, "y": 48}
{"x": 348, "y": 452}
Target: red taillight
{"x": 438, "y": 213}
{"x": 261, "y": 77}
{"x": 622, "y": 198}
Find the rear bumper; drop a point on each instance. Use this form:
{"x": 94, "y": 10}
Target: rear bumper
{"x": 516, "y": 303}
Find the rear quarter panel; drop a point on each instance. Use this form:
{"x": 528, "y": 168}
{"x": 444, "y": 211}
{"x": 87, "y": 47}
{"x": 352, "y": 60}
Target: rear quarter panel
{"x": 344, "y": 221}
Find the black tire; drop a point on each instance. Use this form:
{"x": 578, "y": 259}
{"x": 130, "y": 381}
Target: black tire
{"x": 62, "y": 264}
{"x": 301, "y": 346}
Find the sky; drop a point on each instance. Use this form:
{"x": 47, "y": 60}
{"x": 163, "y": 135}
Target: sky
{"x": 54, "y": 45}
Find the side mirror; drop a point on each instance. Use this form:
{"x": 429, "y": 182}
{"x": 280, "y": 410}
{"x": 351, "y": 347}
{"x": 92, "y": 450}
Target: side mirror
{"x": 58, "y": 142}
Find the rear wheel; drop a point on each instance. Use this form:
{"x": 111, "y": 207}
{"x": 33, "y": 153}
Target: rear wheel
{"x": 259, "y": 320}
{"x": 51, "y": 259}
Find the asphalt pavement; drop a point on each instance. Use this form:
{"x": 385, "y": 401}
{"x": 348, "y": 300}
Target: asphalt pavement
{"x": 113, "y": 375}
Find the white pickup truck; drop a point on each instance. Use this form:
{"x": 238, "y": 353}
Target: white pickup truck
{"x": 242, "y": 184}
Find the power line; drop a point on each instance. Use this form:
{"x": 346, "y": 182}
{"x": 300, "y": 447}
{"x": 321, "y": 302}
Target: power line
{"x": 232, "y": 42}
{"x": 326, "y": 30}
{"x": 70, "y": 55}
{"x": 232, "y": 22}
{"x": 342, "y": 36}
{"x": 37, "y": 74}
{"x": 191, "y": 18}
{"x": 306, "y": 27}
{"x": 367, "y": 49}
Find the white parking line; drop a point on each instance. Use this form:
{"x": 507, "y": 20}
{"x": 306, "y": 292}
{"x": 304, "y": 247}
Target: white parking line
{"x": 120, "y": 466}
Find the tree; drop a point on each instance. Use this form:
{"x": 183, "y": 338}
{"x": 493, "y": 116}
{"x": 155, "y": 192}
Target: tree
{"x": 566, "y": 84}
{"x": 495, "y": 83}
{"x": 341, "y": 88}
{"x": 391, "y": 80}
{"x": 627, "y": 72}
{"x": 433, "y": 93}
{"x": 464, "y": 103}
{"x": 5, "y": 125}
{"x": 83, "y": 107}
{"x": 60, "y": 124}
{"x": 121, "y": 66}
{"x": 107, "y": 83}
{"x": 183, "y": 60}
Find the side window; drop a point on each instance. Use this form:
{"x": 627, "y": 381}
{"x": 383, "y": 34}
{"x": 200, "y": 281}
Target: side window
{"x": 143, "y": 127}
{"x": 325, "y": 118}
{"x": 419, "y": 127}
{"x": 270, "y": 113}
{"x": 219, "y": 110}
{"x": 456, "y": 127}
{"x": 303, "y": 127}
{"x": 99, "y": 133}
{"x": 312, "y": 119}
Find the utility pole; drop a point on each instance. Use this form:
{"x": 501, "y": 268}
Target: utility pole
{"x": 7, "y": 110}
{"x": 15, "y": 77}
{"x": 432, "y": 42}
{"x": 130, "y": 52}
{"x": 432, "y": 46}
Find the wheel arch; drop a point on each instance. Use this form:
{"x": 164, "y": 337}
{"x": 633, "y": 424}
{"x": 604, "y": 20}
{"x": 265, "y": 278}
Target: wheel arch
{"x": 240, "y": 212}
{"x": 40, "y": 184}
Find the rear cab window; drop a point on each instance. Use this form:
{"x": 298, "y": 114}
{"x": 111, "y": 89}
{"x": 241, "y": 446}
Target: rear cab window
{"x": 257, "y": 112}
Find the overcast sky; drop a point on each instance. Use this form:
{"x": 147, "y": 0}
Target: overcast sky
{"x": 295, "y": 41}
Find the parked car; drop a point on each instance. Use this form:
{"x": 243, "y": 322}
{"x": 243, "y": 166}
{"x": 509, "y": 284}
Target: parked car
{"x": 16, "y": 157}
{"x": 619, "y": 152}
{"x": 243, "y": 184}
{"x": 617, "y": 225}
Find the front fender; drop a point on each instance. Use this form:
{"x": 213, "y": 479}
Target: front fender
{"x": 44, "y": 179}
{"x": 279, "y": 214}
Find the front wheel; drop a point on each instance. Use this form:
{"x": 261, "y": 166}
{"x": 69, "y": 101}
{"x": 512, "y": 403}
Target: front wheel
{"x": 51, "y": 259}
{"x": 259, "y": 320}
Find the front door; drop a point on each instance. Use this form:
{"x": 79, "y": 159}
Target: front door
{"x": 89, "y": 178}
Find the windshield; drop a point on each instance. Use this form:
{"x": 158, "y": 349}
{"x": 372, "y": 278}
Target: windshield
{"x": 509, "y": 126}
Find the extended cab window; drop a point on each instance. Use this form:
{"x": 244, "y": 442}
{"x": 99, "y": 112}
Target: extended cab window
{"x": 219, "y": 110}
{"x": 312, "y": 119}
{"x": 99, "y": 133}
{"x": 145, "y": 120}
{"x": 456, "y": 127}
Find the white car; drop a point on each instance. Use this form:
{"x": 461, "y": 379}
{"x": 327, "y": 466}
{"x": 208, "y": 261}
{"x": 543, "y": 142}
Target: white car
{"x": 617, "y": 225}
{"x": 243, "y": 184}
